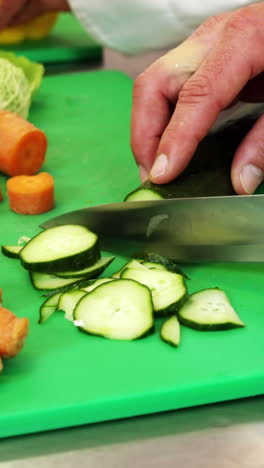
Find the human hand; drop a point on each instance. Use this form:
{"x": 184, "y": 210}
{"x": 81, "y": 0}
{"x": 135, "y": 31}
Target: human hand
{"x": 13, "y": 12}
{"x": 177, "y": 100}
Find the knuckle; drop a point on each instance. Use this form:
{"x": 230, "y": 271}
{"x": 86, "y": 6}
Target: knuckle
{"x": 242, "y": 21}
{"x": 195, "y": 90}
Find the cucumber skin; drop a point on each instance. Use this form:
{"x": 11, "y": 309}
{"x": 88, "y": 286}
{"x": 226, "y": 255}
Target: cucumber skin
{"x": 169, "y": 342}
{"x": 148, "y": 332}
{"x": 92, "y": 274}
{"x": 71, "y": 263}
{"x": 208, "y": 173}
{"x": 173, "y": 308}
{"x": 41, "y": 318}
{"x": 9, "y": 254}
{"x": 213, "y": 327}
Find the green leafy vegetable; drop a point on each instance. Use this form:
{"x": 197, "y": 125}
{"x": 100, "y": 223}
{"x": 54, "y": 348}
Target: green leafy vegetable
{"x": 19, "y": 79}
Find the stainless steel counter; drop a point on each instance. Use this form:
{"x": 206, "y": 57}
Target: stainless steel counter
{"x": 226, "y": 435}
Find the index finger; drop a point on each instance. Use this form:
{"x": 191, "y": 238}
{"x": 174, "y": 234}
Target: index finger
{"x": 237, "y": 58}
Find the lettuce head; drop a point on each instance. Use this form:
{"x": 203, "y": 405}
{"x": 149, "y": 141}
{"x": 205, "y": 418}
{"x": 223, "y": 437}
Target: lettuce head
{"x": 19, "y": 79}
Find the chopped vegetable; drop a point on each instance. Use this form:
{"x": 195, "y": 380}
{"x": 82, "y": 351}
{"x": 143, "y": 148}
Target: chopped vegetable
{"x": 209, "y": 309}
{"x": 35, "y": 29}
{"x": 62, "y": 248}
{"x": 169, "y": 264}
{"x": 68, "y": 302}
{"x": 92, "y": 271}
{"x": 131, "y": 264}
{"x": 170, "y": 331}
{"x": 143, "y": 194}
{"x": 19, "y": 79}
{"x": 120, "y": 310}
{"x": 168, "y": 289}
{"x": 13, "y": 331}
{"x": 49, "y": 307}
{"x": 31, "y": 195}
{"x": 96, "y": 283}
{"x": 50, "y": 282}
{"x": 23, "y": 146}
{"x": 11, "y": 251}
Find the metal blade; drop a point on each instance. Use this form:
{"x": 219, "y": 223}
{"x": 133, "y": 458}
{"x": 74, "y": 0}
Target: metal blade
{"x": 224, "y": 229}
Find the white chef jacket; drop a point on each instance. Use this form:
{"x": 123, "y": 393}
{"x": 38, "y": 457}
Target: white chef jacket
{"x": 137, "y": 26}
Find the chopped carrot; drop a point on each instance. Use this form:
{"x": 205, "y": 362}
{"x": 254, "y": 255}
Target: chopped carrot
{"x": 31, "y": 194}
{"x": 23, "y": 146}
{"x": 13, "y": 331}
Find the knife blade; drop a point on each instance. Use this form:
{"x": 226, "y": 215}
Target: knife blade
{"x": 213, "y": 229}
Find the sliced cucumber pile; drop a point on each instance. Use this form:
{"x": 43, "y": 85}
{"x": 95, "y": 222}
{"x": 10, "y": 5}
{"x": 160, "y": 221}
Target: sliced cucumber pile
{"x": 65, "y": 262}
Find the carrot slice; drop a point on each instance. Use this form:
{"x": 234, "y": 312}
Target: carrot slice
{"x": 31, "y": 194}
{"x": 13, "y": 331}
{"x": 23, "y": 146}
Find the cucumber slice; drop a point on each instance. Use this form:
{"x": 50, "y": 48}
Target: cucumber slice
{"x": 209, "y": 309}
{"x": 48, "y": 307}
{"x": 120, "y": 310}
{"x": 11, "y": 251}
{"x": 143, "y": 194}
{"x": 96, "y": 283}
{"x": 168, "y": 289}
{"x": 68, "y": 301}
{"x": 90, "y": 272}
{"x": 48, "y": 282}
{"x": 62, "y": 248}
{"x": 131, "y": 264}
{"x": 170, "y": 331}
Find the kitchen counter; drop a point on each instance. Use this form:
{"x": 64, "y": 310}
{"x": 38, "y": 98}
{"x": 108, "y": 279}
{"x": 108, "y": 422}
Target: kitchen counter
{"x": 225, "y": 435}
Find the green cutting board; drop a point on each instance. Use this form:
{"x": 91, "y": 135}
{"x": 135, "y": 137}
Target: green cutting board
{"x": 67, "y": 42}
{"x": 64, "y": 378}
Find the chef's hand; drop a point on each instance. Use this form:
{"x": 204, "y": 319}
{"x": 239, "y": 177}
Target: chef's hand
{"x": 13, "y": 12}
{"x": 178, "y": 98}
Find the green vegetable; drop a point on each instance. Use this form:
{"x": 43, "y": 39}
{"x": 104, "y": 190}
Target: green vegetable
{"x": 170, "y": 332}
{"x": 119, "y": 310}
{"x": 210, "y": 310}
{"x": 19, "y": 79}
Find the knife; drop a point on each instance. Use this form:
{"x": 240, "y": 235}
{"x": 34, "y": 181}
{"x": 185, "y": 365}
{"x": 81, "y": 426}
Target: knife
{"x": 211, "y": 229}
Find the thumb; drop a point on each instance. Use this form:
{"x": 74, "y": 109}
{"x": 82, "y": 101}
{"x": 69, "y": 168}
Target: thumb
{"x": 248, "y": 165}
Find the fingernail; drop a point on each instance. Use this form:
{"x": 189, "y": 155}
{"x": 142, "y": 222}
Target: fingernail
{"x": 250, "y": 177}
{"x": 160, "y": 166}
{"x": 143, "y": 174}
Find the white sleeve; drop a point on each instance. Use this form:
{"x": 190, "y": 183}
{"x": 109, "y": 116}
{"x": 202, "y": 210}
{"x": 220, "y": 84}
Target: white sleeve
{"x": 139, "y": 26}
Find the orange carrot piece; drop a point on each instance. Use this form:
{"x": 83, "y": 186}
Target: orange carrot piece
{"x": 13, "y": 331}
{"x": 31, "y": 195}
{"x": 23, "y": 146}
